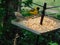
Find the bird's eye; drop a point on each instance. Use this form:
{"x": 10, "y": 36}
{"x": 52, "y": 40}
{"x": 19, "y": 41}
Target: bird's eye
{"x": 38, "y": 8}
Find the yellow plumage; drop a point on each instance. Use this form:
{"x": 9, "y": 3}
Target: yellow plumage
{"x": 35, "y": 11}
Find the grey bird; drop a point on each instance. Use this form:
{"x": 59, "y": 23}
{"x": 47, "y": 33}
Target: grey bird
{"x": 19, "y": 16}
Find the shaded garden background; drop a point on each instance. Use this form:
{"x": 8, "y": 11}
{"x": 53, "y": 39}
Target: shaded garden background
{"x": 7, "y": 34}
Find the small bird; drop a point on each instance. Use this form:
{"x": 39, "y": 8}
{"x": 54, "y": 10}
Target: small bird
{"x": 19, "y": 16}
{"x": 34, "y": 11}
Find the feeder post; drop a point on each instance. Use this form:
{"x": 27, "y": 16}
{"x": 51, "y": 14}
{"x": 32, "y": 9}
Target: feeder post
{"x": 43, "y": 13}
{"x": 19, "y": 5}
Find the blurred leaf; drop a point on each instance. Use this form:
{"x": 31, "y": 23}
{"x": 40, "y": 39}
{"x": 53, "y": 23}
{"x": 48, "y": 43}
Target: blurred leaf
{"x": 53, "y": 43}
{"x": 58, "y": 17}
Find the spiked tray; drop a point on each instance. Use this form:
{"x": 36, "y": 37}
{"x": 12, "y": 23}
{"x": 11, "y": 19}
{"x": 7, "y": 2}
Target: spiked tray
{"x": 49, "y": 24}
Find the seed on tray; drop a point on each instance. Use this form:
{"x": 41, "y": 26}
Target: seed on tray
{"x": 35, "y": 23}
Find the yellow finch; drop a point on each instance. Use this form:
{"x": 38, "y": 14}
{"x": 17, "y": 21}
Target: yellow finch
{"x": 34, "y": 11}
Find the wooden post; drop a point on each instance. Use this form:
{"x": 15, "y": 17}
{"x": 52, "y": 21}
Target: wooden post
{"x": 43, "y": 13}
{"x": 19, "y": 5}
{"x": 37, "y": 40}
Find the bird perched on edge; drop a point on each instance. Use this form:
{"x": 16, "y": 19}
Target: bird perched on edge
{"x": 19, "y": 16}
{"x": 34, "y": 11}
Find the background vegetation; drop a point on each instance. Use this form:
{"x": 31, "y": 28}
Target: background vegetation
{"x": 27, "y": 38}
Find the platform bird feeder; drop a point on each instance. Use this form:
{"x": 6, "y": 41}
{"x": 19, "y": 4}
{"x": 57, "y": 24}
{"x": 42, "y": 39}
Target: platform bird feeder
{"x": 38, "y": 24}
{"x": 33, "y": 24}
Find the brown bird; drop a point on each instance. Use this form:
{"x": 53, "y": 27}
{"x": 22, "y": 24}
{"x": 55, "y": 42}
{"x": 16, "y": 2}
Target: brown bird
{"x": 19, "y": 16}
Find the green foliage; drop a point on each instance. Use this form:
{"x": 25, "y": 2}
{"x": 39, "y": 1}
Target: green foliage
{"x": 25, "y": 13}
{"x": 53, "y": 43}
{"x": 28, "y": 2}
{"x": 58, "y": 17}
{"x": 2, "y": 13}
{"x": 28, "y": 37}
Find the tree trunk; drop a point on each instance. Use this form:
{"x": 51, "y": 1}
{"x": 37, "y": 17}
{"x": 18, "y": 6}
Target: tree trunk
{"x": 7, "y": 13}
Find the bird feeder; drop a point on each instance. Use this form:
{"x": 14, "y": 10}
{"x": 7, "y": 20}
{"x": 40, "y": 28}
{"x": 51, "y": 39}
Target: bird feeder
{"x": 35, "y": 25}
{"x": 38, "y": 24}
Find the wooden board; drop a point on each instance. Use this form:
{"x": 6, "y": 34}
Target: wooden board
{"x": 22, "y": 25}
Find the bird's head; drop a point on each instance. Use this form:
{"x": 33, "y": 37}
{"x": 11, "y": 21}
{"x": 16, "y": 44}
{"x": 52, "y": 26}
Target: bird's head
{"x": 37, "y": 8}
